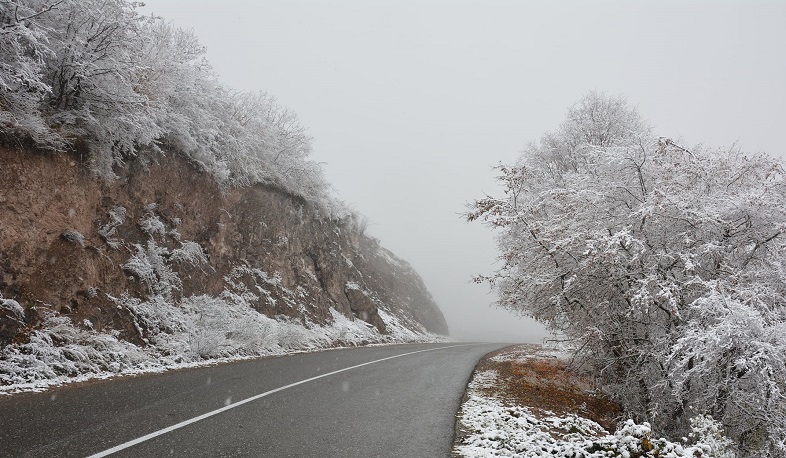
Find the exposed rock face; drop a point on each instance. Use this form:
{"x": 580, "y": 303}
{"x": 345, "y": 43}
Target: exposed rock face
{"x": 68, "y": 241}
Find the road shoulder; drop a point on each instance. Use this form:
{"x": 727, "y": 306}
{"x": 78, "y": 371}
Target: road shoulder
{"x": 528, "y": 401}
{"x": 525, "y": 397}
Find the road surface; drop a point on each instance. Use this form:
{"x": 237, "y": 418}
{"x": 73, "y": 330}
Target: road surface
{"x": 372, "y": 401}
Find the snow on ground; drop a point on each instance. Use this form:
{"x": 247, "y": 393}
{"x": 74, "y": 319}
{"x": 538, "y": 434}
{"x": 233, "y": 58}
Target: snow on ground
{"x": 198, "y": 331}
{"x": 552, "y": 349}
{"x": 496, "y": 428}
{"x": 187, "y": 332}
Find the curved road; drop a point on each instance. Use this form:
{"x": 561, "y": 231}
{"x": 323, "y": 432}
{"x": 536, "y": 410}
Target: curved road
{"x": 373, "y": 401}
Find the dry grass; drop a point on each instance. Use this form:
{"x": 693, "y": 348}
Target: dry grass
{"x": 541, "y": 382}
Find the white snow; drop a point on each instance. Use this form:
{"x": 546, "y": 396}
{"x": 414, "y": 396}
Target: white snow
{"x": 191, "y": 331}
{"x": 189, "y": 252}
{"x": 183, "y": 332}
{"x": 152, "y": 224}
{"x": 496, "y": 428}
{"x": 13, "y": 306}
{"x": 108, "y": 231}
{"x": 200, "y": 331}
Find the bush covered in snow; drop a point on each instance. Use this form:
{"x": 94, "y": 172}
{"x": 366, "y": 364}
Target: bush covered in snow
{"x": 192, "y": 331}
{"x": 496, "y": 429}
{"x": 179, "y": 331}
{"x": 195, "y": 331}
{"x": 98, "y": 78}
{"x": 665, "y": 266}
{"x": 59, "y": 351}
{"x": 12, "y": 306}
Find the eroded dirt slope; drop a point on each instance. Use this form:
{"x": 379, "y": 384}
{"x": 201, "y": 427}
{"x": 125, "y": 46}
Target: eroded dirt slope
{"x": 66, "y": 240}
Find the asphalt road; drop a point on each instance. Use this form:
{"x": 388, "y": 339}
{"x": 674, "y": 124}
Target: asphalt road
{"x": 305, "y": 405}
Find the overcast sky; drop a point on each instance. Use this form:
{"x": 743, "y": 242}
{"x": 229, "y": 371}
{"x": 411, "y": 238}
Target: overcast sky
{"x": 410, "y": 103}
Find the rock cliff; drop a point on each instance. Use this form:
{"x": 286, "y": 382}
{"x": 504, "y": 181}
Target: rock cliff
{"x": 165, "y": 261}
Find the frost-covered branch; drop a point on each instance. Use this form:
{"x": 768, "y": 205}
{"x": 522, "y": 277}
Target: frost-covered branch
{"x": 98, "y": 78}
{"x": 664, "y": 265}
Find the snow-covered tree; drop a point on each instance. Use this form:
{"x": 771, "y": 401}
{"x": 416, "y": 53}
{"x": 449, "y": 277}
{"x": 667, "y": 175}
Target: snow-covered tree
{"x": 664, "y": 265}
{"x": 188, "y": 103}
{"x": 96, "y": 78}
{"x": 23, "y": 53}
{"x": 96, "y": 48}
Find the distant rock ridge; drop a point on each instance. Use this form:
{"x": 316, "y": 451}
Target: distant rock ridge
{"x": 159, "y": 256}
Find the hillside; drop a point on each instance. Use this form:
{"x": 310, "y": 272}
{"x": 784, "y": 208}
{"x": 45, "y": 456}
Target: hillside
{"x": 165, "y": 266}
{"x": 151, "y": 216}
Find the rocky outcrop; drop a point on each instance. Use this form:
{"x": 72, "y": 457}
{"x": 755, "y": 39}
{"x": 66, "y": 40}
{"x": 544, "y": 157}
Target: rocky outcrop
{"x": 72, "y": 245}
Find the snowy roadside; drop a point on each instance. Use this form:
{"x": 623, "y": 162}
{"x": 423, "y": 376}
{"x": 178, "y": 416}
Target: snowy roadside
{"x": 495, "y": 421}
{"x": 61, "y": 353}
{"x": 164, "y": 365}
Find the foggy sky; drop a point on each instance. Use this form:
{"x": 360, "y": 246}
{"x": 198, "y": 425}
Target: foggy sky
{"x": 410, "y": 103}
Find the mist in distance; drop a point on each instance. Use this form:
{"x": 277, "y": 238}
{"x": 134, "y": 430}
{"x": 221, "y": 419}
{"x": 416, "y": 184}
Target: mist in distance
{"x": 411, "y": 103}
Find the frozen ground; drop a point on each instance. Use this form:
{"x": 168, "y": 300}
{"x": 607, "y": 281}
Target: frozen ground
{"x": 199, "y": 331}
{"x": 186, "y": 332}
{"x": 498, "y": 427}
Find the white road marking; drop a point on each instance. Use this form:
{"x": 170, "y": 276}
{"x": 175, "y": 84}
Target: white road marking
{"x": 168, "y": 429}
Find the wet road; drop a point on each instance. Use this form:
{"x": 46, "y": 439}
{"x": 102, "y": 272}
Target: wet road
{"x": 372, "y": 401}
